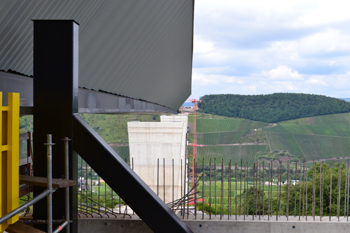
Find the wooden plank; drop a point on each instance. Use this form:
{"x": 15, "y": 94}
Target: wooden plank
{"x": 19, "y": 227}
{"x": 42, "y": 181}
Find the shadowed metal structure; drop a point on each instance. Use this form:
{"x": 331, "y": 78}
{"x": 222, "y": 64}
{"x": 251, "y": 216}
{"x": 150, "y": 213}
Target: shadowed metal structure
{"x": 56, "y": 105}
{"x": 130, "y": 57}
{"x": 89, "y": 101}
{"x": 138, "y": 49}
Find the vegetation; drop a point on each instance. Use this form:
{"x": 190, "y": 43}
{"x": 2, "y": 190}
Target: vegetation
{"x": 326, "y": 189}
{"x": 227, "y": 153}
{"x": 272, "y": 108}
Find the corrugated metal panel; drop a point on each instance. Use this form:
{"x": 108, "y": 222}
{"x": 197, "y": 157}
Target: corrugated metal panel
{"x": 89, "y": 101}
{"x": 140, "y": 49}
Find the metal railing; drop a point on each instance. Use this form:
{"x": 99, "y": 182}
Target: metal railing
{"x": 264, "y": 190}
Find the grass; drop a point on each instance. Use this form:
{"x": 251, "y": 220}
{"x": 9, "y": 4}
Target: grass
{"x": 220, "y": 138}
{"x": 227, "y": 153}
{"x": 227, "y": 125}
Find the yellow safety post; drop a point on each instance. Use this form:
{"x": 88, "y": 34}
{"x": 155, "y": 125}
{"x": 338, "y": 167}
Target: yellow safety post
{"x": 9, "y": 160}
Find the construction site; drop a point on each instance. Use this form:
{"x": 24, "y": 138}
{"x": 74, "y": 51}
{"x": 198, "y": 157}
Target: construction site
{"x": 62, "y": 60}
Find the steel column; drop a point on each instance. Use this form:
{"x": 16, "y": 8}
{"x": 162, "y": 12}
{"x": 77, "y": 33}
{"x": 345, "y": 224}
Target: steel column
{"x": 55, "y": 101}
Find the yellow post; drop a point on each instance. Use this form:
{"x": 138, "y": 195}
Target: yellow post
{"x": 2, "y": 226}
{"x": 9, "y": 157}
{"x": 13, "y": 155}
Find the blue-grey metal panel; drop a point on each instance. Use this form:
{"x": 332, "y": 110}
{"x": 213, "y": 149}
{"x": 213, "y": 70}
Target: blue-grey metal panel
{"x": 16, "y": 83}
{"x": 140, "y": 49}
{"x": 90, "y": 101}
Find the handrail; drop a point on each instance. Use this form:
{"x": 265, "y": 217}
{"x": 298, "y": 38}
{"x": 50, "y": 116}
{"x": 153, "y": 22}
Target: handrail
{"x": 24, "y": 206}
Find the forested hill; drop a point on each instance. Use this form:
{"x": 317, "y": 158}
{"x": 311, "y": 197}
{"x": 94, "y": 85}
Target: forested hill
{"x": 272, "y": 108}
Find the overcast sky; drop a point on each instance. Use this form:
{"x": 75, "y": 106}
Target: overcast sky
{"x": 263, "y": 47}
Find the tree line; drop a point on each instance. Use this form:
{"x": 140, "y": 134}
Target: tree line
{"x": 273, "y": 107}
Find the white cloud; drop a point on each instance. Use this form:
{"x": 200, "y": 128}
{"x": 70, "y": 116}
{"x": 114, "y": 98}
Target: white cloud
{"x": 282, "y": 72}
{"x": 261, "y": 47}
{"x": 317, "y": 80}
{"x": 201, "y": 46}
{"x": 329, "y": 41}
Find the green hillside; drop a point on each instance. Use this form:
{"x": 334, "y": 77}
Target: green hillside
{"x": 272, "y": 108}
{"x": 312, "y": 138}
{"x": 228, "y": 138}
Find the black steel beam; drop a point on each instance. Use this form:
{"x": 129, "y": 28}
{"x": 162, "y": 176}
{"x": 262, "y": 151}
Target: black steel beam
{"x": 55, "y": 101}
{"x": 123, "y": 180}
{"x": 90, "y": 101}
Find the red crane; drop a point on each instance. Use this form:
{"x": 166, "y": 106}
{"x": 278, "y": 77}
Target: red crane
{"x": 194, "y": 144}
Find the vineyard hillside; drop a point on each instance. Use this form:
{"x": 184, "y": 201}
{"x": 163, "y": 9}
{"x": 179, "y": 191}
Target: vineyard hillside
{"x": 316, "y": 138}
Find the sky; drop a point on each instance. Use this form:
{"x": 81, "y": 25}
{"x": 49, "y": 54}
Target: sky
{"x": 263, "y": 47}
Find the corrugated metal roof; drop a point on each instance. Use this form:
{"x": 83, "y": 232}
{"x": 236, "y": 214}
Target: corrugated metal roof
{"x": 141, "y": 49}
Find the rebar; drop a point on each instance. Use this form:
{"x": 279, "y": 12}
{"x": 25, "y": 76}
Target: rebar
{"x": 157, "y": 176}
{"x": 295, "y": 189}
{"x": 229, "y": 191}
{"x": 236, "y": 191}
{"x": 339, "y": 182}
{"x": 303, "y": 184}
{"x": 345, "y": 189}
{"x": 222, "y": 189}
{"x": 321, "y": 190}
{"x": 195, "y": 189}
{"x": 81, "y": 179}
{"x": 106, "y": 198}
{"x": 132, "y": 167}
{"x": 277, "y": 209}
{"x": 256, "y": 192}
{"x": 184, "y": 190}
{"x": 330, "y": 195}
{"x": 280, "y": 189}
{"x": 269, "y": 192}
{"x": 164, "y": 179}
{"x": 188, "y": 185}
{"x": 215, "y": 182}
{"x": 86, "y": 188}
{"x": 313, "y": 189}
{"x": 244, "y": 191}
{"x": 253, "y": 190}
{"x": 91, "y": 184}
{"x": 210, "y": 188}
{"x": 300, "y": 182}
{"x": 306, "y": 201}
{"x": 263, "y": 190}
{"x": 173, "y": 179}
{"x": 203, "y": 202}
{"x": 347, "y": 205}
{"x": 247, "y": 196}
{"x": 287, "y": 205}
{"x": 259, "y": 191}
{"x": 240, "y": 189}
